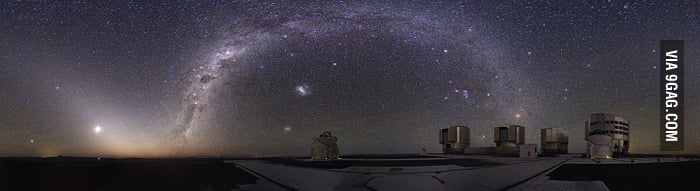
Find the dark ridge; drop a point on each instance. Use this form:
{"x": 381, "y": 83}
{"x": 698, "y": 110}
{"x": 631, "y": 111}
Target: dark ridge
{"x": 73, "y": 173}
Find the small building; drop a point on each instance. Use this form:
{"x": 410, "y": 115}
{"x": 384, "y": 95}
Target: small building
{"x": 554, "y": 141}
{"x": 454, "y": 139}
{"x": 528, "y": 151}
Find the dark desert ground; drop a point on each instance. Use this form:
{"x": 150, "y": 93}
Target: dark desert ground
{"x": 646, "y": 176}
{"x": 76, "y": 173}
{"x": 68, "y": 173}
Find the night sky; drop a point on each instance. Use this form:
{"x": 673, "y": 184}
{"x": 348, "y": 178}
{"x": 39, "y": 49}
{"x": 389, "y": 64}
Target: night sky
{"x": 210, "y": 78}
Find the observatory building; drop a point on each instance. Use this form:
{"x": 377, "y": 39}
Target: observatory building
{"x": 610, "y": 125}
{"x": 599, "y": 145}
{"x": 510, "y": 142}
{"x": 454, "y": 139}
{"x": 509, "y": 136}
{"x": 555, "y": 140}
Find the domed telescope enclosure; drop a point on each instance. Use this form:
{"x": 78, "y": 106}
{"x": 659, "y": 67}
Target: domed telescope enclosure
{"x": 325, "y": 147}
{"x": 599, "y": 145}
{"x": 610, "y": 125}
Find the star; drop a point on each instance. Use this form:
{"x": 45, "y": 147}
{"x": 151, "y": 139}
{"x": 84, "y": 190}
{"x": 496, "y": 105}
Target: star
{"x": 229, "y": 76}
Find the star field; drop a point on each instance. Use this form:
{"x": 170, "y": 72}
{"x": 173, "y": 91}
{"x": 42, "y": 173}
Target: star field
{"x": 210, "y": 78}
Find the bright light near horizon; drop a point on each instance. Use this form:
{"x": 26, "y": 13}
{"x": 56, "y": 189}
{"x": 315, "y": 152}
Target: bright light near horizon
{"x": 98, "y": 129}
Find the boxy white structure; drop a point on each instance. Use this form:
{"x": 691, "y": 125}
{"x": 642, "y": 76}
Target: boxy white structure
{"x": 528, "y": 151}
{"x": 599, "y": 146}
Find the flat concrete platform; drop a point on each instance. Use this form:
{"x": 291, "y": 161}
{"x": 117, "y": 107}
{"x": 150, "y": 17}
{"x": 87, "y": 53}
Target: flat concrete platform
{"x": 565, "y": 172}
{"x": 511, "y": 172}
